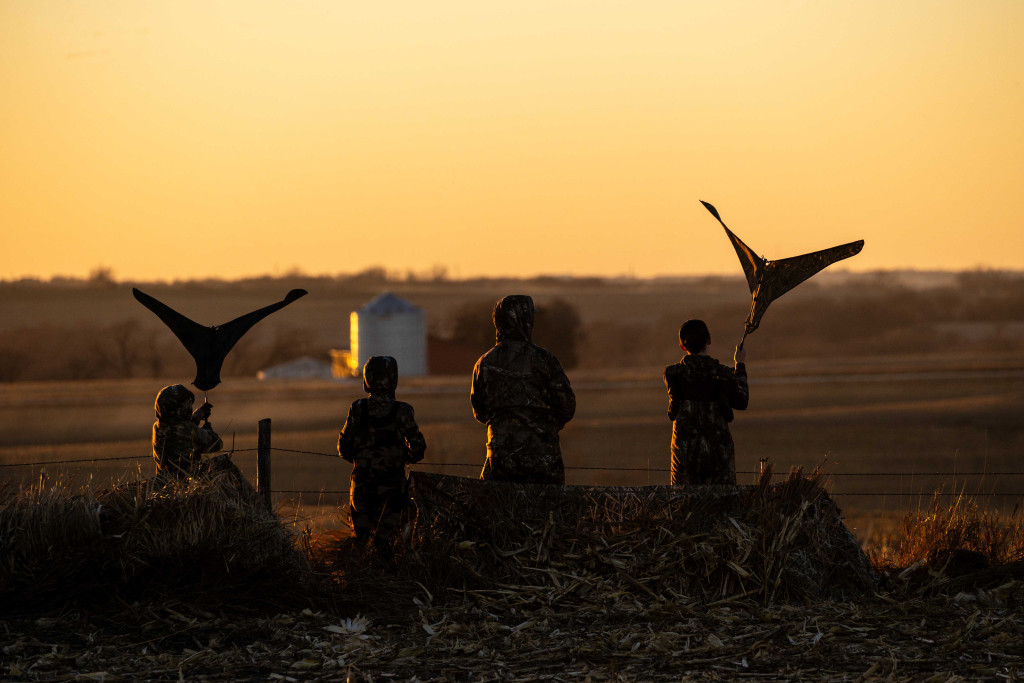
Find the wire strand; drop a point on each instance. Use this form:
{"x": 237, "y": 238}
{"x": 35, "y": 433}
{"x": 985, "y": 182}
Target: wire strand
{"x": 568, "y": 467}
{"x": 832, "y": 493}
{"x": 64, "y": 462}
{"x": 664, "y": 469}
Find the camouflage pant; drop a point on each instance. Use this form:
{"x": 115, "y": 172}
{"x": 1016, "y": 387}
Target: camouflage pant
{"x": 699, "y": 461}
{"x": 378, "y": 508}
{"x": 523, "y": 454}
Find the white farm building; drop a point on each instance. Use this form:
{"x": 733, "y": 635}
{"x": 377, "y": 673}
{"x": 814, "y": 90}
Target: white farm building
{"x": 300, "y": 368}
{"x": 388, "y": 325}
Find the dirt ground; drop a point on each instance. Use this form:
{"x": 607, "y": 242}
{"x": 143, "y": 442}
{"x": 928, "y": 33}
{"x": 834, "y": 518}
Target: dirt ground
{"x": 972, "y": 636}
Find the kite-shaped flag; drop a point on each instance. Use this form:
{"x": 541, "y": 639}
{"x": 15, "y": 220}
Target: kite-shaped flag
{"x": 768, "y": 280}
{"x": 210, "y": 345}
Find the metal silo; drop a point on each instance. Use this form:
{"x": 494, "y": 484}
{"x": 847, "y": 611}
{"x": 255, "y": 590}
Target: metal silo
{"x": 388, "y": 325}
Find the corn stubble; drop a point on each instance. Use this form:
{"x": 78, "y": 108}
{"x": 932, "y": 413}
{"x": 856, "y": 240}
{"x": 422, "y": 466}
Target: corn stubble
{"x": 506, "y": 583}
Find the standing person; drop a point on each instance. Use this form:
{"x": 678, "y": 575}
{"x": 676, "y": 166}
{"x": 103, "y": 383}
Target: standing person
{"x": 181, "y": 436}
{"x": 523, "y": 396}
{"x": 379, "y": 438}
{"x": 702, "y": 394}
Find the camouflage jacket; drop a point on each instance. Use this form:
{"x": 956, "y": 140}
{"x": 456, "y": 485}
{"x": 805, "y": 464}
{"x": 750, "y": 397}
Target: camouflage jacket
{"x": 178, "y": 446}
{"x": 379, "y": 438}
{"x": 522, "y": 394}
{"x": 702, "y": 394}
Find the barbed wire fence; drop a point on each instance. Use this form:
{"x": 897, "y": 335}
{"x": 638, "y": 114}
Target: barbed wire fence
{"x": 477, "y": 465}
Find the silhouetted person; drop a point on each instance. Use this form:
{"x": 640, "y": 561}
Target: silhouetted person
{"x": 181, "y": 436}
{"x": 379, "y": 438}
{"x": 702, "y": 394}
{"x": 521, "y": 393}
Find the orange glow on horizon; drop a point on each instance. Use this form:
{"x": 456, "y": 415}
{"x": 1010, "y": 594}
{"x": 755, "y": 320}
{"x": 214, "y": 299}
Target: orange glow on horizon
{"x": 195, "y": 139}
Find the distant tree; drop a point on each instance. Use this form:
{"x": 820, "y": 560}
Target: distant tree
{"x": 154, "y": 358}
{"x": 102, "y": 276}
{"x": 614, "y": 344}
{"x": 243, "y": 358}
{"x": 125, "y": 347}
{"x": 472, "y": 325}
{"x": 557, "y": 327}
{"x": 288, "y": 344}
{"x": 374, "y": 275}
{"x": 83, "y": 363}
{"x": 437, "y": 273}
{"x": 12, "y": 364}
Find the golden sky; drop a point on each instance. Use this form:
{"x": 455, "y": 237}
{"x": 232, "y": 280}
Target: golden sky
{"x": 199, "y": 138}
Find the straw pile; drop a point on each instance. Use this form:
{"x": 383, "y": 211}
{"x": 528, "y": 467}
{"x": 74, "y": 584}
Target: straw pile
{"x": 589, "y": 598}
{"x": 777, "y": 543}
{"x": 211, "y": 537}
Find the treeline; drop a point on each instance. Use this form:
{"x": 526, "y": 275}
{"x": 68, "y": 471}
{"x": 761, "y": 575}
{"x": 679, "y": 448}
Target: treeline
{"x": 975, "y": 312}
{"x": 374, "y": 276}
{"x": 126, "y": 349}
{"x": 588, "y": 323}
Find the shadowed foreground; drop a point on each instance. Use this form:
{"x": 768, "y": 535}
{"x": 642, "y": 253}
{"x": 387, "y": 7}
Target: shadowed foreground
{"x": 636, "y": 584}
{"x": 210, "y": 540}
{"x": 492, "y": 636}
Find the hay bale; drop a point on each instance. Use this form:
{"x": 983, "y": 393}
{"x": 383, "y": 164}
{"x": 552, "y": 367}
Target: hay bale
{"x": 209, "y": 538}
{"x": 781, "y": 542}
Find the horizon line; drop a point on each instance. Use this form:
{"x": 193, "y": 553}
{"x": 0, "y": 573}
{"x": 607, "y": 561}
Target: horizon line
{"x": 103, "y": 276}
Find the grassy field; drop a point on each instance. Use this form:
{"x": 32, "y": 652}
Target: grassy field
{"x": 889, "y": 430}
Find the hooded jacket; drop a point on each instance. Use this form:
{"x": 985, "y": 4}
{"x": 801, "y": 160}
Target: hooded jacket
{"x": 521, "y": 393}
{"x": 380, "y": 435}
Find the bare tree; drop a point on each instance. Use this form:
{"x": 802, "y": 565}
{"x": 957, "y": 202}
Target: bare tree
{"x": 126, "y": 347}
{"x": 557, "y": 327}
{"x": 12, "y": 364}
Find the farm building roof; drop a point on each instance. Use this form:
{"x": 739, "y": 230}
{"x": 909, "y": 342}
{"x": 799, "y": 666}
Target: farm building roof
{"x": 388, "y": 303}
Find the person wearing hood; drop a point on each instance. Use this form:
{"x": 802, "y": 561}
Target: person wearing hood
{"x": 380, "y": 438}
{"x": 181, "y": 436}
{"x": 702, "y": 394}
{"x": 521, "y": 393}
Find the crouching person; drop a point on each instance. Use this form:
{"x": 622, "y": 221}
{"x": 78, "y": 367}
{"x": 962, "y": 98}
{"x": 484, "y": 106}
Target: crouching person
{"x": 380, "y": 438}
{"x": 180, "y": 435}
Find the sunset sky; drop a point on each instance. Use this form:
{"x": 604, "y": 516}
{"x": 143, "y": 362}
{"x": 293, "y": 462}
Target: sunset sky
{"x": 170, "y": 140}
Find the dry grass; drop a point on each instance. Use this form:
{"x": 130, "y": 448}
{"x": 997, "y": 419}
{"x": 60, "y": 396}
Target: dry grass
{"x": 643, "y": 585}
{"x": 933, "y": 534}
{"x": 951, "y": 547}
{"x": 131, "y": 542}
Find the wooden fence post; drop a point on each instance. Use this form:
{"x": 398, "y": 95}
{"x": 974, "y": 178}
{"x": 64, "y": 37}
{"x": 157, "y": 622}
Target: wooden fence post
{"x": 263, "y": 462}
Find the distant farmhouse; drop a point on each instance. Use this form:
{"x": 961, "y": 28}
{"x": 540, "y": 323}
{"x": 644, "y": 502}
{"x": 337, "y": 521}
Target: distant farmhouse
{"x": 387, "y": 325}
{"x": 306, "y": 367}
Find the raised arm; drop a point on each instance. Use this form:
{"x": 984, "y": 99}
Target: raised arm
{"x": 739, "y": 391}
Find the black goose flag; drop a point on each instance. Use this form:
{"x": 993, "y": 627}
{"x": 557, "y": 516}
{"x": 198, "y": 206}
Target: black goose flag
{"x": 768, "y": 280}
{"x": 210, "y": 345}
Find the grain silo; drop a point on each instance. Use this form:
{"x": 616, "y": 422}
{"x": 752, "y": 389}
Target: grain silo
{"x": 388, "y": 325}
